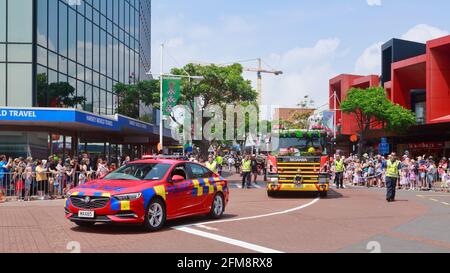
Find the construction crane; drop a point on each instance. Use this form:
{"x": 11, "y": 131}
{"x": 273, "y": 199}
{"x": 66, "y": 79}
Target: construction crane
{"x": 259, "y": 70}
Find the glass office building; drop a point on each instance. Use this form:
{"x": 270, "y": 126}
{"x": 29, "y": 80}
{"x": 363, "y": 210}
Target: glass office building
{"x": 83, "y": 47}
{"x": 59, "y": 62}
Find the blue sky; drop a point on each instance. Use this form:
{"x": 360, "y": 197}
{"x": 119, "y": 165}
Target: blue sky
{"x": 310, "y": 40}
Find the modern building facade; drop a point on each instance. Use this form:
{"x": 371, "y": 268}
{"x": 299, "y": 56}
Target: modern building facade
{"x": 69, "y": 54}
{"x": 417, "y": 77}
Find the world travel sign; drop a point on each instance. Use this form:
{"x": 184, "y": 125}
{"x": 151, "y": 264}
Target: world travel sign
{"x": 171, "y": 94}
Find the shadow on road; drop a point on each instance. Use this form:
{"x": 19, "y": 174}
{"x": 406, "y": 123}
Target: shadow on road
{"x": 310, "y": 195}
{"x": 130, "y": 229}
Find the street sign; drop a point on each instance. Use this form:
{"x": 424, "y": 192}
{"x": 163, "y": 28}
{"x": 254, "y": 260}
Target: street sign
{"x": 383, "y": 147}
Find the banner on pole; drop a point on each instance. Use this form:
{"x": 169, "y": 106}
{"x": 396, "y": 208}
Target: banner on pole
{"x": 171, "y": 95}
{"x": 328, "y": 120}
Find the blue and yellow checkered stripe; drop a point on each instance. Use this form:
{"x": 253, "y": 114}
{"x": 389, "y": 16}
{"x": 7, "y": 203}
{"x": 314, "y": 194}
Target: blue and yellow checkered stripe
{"x": 206, "y": 186}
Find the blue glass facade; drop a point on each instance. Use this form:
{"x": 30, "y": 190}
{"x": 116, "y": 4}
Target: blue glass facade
{"x": 89, "y": 44}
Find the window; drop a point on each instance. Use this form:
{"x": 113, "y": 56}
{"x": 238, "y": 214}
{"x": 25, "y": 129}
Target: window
{"x": 2, "y": 52}
{"x": 62, "y": 29}
{"x": 2, "y": 20}
{"x": 179, "y": 170}
{"x": 53, "y": 24}
{"x": 20, "y": 21}
{"x": 19, "y": 85}
{"x": 19, "y": 53}
{"x": 199, "y": 171}
{"x": 80, "y": 39}
{"x": 2, "y": 84}
{"x": 135, "y": 172}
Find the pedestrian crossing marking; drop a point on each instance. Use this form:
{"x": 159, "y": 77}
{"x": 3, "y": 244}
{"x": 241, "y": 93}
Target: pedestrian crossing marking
{"x": 239, "y": 186}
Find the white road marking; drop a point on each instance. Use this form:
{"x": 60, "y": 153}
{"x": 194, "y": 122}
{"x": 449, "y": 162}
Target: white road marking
{"x": 435, "y": 200}
{"x": 445, "y": 203}
{"x": 242, "y": 244}
{"x": 227, "y": 240}
{"x": 257, "y": 216}
{"x": 207, "y": 228}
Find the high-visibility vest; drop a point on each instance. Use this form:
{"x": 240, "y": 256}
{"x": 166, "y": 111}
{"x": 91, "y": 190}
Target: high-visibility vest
{"x": 212, "y": 166}
{"x": 392, "y": 169}
{"x": 219, "y": 160}
{"x": 246, "y": 166}
{"x": 340, "y": 166}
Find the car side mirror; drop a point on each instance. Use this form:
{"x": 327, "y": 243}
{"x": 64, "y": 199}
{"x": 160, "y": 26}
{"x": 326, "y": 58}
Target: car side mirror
{"x": 102, "y": 176}
{"x": 177, "y": 178}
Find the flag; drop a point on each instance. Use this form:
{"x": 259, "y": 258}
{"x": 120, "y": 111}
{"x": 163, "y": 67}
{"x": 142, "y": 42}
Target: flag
{"x": 171, "y": 95}
{"x": 328, "y": 120}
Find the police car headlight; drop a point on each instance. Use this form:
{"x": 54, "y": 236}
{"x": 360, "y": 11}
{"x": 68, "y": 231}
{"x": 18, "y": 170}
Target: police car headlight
{"x": 128, "y": 197}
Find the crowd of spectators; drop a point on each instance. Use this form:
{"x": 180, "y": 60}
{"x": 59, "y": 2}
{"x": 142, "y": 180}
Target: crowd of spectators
{"x": 51, "y": 178}
{"x": 422, "y": 173}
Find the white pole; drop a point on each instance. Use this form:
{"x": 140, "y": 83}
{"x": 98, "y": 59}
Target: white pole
{"x": 161, "y": 114}
{"x": 335, "y": 114}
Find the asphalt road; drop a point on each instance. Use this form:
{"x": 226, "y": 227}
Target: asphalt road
{"x": 349, "y": 220}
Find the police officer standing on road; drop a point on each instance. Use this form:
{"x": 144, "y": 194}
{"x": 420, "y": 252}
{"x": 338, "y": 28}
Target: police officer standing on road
{"x": 339, "y": 171}
{"x": 392, "y": 175}
{"x": 219, "y": 162}
{"x": 246, "y": 171}
{"x": 211, "y": 164}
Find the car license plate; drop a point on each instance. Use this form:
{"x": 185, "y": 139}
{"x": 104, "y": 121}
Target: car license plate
{"x": 86, "y": 214}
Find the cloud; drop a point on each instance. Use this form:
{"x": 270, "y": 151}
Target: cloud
{"x": 370, "y": 60}
{"x": 307, "y": 71}
{"x": 423, "y": 33}
{"x": 374, "y": 2}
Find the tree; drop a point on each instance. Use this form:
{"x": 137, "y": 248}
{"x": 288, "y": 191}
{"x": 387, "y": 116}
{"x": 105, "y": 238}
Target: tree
{"x": 131, "y": 95}
{"x": 57, "y": 94}
{"x": 373, "y": 111}
{"x": 219, "y": 86}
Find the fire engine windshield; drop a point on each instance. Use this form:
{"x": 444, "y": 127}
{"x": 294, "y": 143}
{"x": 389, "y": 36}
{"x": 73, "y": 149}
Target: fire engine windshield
{"x": 302, "y": 147}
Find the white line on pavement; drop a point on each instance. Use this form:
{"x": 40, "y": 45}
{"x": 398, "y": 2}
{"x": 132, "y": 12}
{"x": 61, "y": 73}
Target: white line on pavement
{"x": 445, "y": 203}
{"x": 187, "y": 229}
{"x": 207, "y": 228}
{"x": 227, "y": 240}
{"x": 257, "y": 216}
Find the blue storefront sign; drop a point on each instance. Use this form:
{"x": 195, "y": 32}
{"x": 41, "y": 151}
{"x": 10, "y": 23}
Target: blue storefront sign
{"x": 384, "y": 147}
{"x": 53, "y": 115}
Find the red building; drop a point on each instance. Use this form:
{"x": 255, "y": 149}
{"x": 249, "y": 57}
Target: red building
{"x": 416, "y": 76}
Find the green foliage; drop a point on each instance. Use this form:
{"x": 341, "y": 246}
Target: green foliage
{"x": 57, "y": 94}
{"x": 220, "y": 85}
{"x": 371, "y": 108}
{"x": 130, "y": 95}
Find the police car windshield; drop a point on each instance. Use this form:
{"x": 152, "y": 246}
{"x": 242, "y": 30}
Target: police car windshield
{"x": 139, "y": 171}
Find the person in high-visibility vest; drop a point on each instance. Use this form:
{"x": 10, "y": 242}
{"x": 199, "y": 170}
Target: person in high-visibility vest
{"x": 219, "y": 161}
{"x": 339, "y": 167}
{"x": 211, "y": 164}
{"x": 246, "y": 171}
{"x": 392, "y": 175}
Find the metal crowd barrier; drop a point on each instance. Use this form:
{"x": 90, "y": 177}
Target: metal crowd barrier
{"x": 43, "y": 186}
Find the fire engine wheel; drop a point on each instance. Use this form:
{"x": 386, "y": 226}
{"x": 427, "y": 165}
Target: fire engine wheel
{"x": 271, "y": 194}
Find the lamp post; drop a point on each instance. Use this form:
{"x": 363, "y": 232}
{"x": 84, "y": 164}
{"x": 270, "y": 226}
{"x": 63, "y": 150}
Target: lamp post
{"x": 161, "y": 79}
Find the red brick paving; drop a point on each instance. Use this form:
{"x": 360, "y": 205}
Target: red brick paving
{"x": 327, "y": 226}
